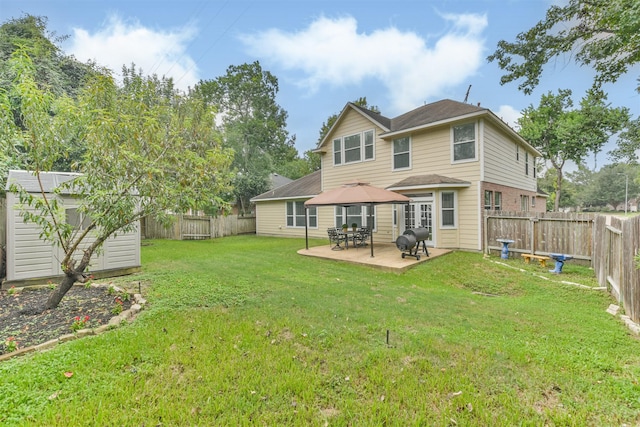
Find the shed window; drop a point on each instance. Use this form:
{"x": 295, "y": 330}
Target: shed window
{"x": 77, "y": 219}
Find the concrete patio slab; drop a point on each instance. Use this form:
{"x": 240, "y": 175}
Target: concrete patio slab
{"x": 386, "y": 256}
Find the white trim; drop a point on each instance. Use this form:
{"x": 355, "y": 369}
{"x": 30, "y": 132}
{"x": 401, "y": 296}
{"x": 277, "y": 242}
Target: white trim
{"x": 480, "y": 138}
{"x": 481, "y": 212}
{"x": 276, "y": 199}
{"x": 430, "y": 186}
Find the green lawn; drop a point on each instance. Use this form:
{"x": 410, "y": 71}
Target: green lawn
{"x": 244, "y": 331}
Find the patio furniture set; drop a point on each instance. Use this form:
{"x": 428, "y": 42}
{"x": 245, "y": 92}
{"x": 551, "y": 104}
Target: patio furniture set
{"x": 358, "y": 236}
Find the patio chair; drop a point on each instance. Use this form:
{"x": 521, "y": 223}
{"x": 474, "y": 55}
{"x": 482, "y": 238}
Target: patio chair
{"x": 361, "y": 236}
{"x": 336, "y": 237}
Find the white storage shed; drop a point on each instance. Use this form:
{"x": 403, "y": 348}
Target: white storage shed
{"x": 32, "y": 260}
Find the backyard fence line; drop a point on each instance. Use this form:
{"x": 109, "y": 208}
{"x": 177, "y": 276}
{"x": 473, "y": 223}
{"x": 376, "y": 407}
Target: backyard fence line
{"x": 192, "y": 227}
{"x": 540, "y": 233}
{"x": 616, "y": 244}
{"x": 608, "y": 242}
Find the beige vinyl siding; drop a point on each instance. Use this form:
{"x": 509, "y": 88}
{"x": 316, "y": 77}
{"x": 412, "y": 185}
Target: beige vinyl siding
{"x": 430, "y": 154}
{"x": 271, "y": 220}
{"x": 501, "y": 166}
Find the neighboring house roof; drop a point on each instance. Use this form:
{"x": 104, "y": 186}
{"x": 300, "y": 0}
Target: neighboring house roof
{"x": 278, "y": 180}
{"x": 433, "y": 114}
{"x": 29, "y": 181}
{"x": 428, "y": 181}
{"x": 307, "y": 186}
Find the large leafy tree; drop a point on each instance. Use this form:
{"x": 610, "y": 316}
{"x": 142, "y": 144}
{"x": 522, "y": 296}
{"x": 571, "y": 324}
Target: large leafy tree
{"x": 253, "y": 123}
{"x": 148, "y": 149}
{"x": 60, "y": 74}
{"x": 602, "y": 34}
{"x": 628, "y": 143}
{"x": 612, "y": 185}
{"x": 564, "y": 134}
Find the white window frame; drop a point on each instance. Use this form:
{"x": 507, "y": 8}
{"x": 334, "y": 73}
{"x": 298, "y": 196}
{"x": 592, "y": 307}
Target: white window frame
{"x": 454, "y": 209}
{"x": 340, "y": 151}
{"x": 475, "y": 143}
{"x": 310, "y": 212}
{"x": 394, "y": 154}
{"x": 340, "y": 215}
{"x": 488, "y": 194}
{"x": 497, "y": 200}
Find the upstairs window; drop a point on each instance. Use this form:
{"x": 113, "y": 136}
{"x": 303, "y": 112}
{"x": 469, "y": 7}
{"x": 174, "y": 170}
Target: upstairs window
{"x": 526, "y": 163}
{"x": 402, "y": 153}
{"x": 354, "y": 148}
{"x": 464, "y": 142}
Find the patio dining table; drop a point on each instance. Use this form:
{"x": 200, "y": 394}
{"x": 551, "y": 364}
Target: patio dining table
{"x": 349, "y": 234}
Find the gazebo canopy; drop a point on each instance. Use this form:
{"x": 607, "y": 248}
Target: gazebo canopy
{"x": 353, "y": 194}
{"x": 356, "y": 193}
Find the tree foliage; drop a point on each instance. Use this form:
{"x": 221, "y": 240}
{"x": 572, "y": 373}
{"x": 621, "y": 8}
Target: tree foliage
{"x": 253, "y": 123}
{"x": 53, "y": 72}
{"x": 147, "y": 149}
{"x": 602, "y": 34}
{"x": 563, "y": 134}
{"x": 628, "y": 143}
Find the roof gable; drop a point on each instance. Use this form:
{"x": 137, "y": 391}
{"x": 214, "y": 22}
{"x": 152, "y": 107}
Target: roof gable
{"x": 376, "y": 118}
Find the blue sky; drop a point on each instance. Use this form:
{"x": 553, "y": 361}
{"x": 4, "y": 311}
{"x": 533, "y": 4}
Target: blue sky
{"x": 398, "y": 54}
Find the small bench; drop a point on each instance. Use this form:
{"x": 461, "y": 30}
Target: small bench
{"x": 542, "y": 259}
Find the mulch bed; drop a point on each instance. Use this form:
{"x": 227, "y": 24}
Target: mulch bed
{"x": 29, "y": 329}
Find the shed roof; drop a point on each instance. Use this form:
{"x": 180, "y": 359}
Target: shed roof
{"x": 29, "y": 181}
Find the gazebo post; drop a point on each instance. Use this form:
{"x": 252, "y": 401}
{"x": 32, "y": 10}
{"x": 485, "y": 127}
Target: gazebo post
{"x": 306, "y": 228}
{"x": 371, "y": 225}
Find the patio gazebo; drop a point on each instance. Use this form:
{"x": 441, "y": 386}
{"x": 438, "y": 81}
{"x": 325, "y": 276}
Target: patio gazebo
{"x": 355, "y": 194}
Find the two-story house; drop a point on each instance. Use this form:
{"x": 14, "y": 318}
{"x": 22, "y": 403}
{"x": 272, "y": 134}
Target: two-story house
{"x": 454, "y": 160}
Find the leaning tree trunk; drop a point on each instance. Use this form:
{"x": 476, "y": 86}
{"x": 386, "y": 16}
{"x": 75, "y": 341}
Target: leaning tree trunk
{"x": 60, "y": 291}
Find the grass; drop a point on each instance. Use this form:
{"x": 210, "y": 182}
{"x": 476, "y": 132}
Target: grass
{"x": 243, "y": 331}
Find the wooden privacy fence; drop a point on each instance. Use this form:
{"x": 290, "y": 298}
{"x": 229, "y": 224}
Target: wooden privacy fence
{"x": 616, "y": 243}
{"x": 610, "y": 243}
{"x": 540, "y": 233}
{"x": 191, "y": 227}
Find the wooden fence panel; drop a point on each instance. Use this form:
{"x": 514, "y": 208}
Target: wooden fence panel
{"x": 191, "y": 227}
{"x": 541, "y": 233}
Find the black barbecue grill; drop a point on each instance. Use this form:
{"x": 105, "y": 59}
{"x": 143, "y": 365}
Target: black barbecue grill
{"x": 412, "y": 238}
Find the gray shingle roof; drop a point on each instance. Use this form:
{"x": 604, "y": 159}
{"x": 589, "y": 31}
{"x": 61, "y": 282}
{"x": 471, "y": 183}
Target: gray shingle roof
{"x": 305, "y": 187}
{"x": 428, "y": 180}
{"x": 432, "y": 113}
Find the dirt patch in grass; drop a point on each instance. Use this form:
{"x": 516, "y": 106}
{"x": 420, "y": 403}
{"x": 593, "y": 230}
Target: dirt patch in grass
{"x": 29, "y": 329}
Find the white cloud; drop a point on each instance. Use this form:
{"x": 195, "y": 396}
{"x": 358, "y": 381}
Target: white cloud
{"x": 509, "y": 115}
{"x": 119, "y": 43}
{"x": 332, "y": 52}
